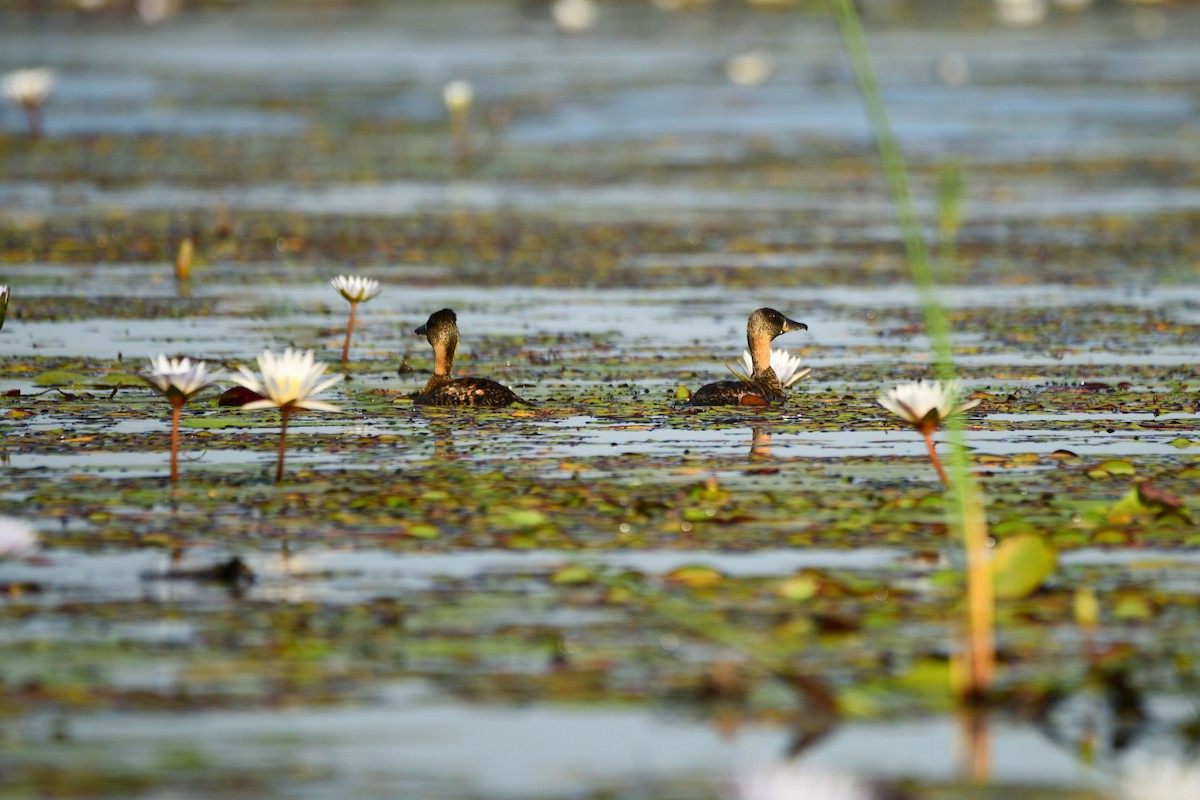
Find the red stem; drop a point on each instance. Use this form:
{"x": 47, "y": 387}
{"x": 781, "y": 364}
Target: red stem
{"x": 937, "y": 462}
{"x": 349, "y": 328}
{"x": 176, "y": 408}
{"x": 283, "y": 413}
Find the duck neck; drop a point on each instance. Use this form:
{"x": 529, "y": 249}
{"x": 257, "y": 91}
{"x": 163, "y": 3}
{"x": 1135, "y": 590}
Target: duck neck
{"x": 444, "y": 357}
{"x": 760, "y": 354}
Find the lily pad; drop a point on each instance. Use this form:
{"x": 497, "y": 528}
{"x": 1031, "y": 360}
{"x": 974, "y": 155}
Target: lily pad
{"x": 1021, "y": 565}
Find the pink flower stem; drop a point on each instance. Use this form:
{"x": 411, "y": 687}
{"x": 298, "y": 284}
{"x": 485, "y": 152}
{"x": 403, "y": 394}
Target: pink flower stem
{"x": 283, "y": 414}
{"x": 937, "y": 462}
{"x": 176, "y": 408}
{"x": 349, "y": 328}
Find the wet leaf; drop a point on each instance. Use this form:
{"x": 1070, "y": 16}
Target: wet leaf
{"x": 1021, "y": 565}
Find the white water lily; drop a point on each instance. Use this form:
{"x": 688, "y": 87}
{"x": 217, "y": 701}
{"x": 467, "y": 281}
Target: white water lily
{"x": 28, "y": 87}
{"x": 178, "y": 380}
{"x": 17, "y": 537}
{"x": 1150, "y": 778}
{"x": 288, "y": 383}
{"x": 458, "y": 95}
{"x": 355, "y": 288}
{"x": 787, "y": 367}
{"x": 926, "y": 404}
{"x": 574, "y": 16}
{"x": 796, "y": 782}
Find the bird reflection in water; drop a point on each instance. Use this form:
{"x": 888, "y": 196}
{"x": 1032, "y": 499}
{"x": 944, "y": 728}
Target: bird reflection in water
{"x": 760, "y": 443}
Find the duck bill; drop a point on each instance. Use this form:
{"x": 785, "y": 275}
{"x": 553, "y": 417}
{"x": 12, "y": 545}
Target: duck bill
{"x": 792, "y": 325}
{"x": 421, "y": 331}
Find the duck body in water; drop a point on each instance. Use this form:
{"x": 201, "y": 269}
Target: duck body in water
{"x": 763, "y": 387}
{"x": 441, "y": 330}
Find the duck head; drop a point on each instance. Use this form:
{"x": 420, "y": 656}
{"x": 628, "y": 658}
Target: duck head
{"x": 441, "y": 331}
{"x": 762, "y": 327}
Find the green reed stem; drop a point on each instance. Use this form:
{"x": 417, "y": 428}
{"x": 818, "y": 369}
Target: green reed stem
{"x": 966, "y": 514}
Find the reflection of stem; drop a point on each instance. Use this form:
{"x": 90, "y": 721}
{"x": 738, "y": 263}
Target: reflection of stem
{"x": 283, "y": 417}
{"x": 937, "y": 462}
{"x": 176, "y": 408}
{"x": 349, "y": 329}
{"x": 976, "y": 745}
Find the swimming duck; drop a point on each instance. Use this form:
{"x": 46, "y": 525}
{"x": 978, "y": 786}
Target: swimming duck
{"x": 441, "y": 330}
{"x": 763, "y": 386}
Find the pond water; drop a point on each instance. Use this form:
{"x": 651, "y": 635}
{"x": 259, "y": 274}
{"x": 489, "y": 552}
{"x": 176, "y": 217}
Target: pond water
{"x": 604, "y": 592}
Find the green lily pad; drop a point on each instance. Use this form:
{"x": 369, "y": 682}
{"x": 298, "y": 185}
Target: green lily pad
{"x": 61, "y": 377}
{"x": 1021, "y": 564}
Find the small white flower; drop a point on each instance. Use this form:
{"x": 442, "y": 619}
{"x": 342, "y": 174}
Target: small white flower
{"x": 786, "y": 366}
{"x": 925, "y": 404}
{"x": 178, "y": 379}
{"x": 28, "y": 87}
{"x": 458, "y": 95}
{"x": 1150, "y": 778}
{"x": 17, "y": 537}
{"x": 749, "y": 69}
{"x": 354, "y": 288}
{"x": 574, "y": 16}
{"x": 796, "y": 782}
{"x": 287, "y": 381}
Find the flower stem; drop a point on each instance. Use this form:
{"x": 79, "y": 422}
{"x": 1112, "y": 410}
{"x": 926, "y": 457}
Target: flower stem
{"x": 937, "y": 462}
{"x": 283, "y": 419}
{"x": 33, "y": 114}
{"x": 349, "y": 328}
{"x": 176, "y": 408}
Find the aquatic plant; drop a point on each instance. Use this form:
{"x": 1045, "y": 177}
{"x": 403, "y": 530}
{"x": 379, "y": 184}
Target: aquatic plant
{"x": 183, "y": 260}
{"x": 288, "y": 383}
{"x": 17, "y": 537}
{"x": 178, "y": 380}
{"x": 1157, "y": 778}
{"x": 787, "y": 367}
{"x": 29, "y": 88}
{"x": 789, "y": 781}
{"x": 355, "y": 289}
{"x": 966, "y": 516}
{"x": 573, "y": 16}
{"x": 458, "y": 96}
{"x": 925, "y": 405}
{"x": 4, "y": 294}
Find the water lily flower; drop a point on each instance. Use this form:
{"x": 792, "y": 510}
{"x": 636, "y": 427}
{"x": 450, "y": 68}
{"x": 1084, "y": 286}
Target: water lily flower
{"x": 786, "y": 366}
{"x": 17, "y": 537}
{"x": 792, "y": 781}
{"x": 1158, "y": 778}
{"x": 925, "y": 405}
{"x": 574, "y": 16}
{"x": 288, "y": 383}
{"x": 356, "y": 290}
{"x": 459, "y": 95}
{"x": 178, "y": 380}
{"x": 4, "y": 293}
{"x": 29, "y": 89}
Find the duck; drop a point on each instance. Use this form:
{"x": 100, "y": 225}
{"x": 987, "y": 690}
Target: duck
{"x": 441, "y": 331}
{"x": 762, "y": 386}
